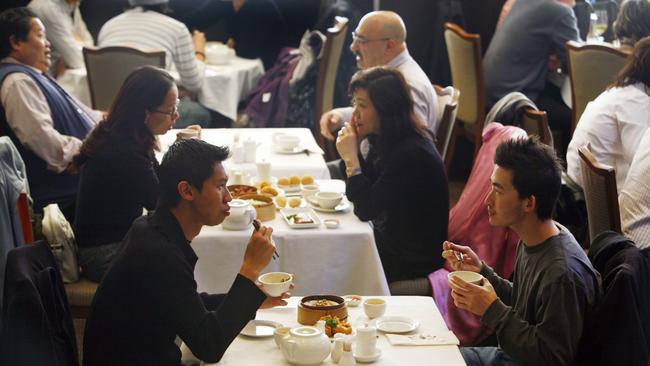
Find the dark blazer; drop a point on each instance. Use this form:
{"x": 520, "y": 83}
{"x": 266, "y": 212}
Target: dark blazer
{"x": 37, "y": 326}
{"x": 618, "y": 333}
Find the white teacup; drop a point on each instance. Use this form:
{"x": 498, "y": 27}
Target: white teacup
{"x": 467, "y": 276}
{"x": 374, "y": 307}
{"x": 309, "y": 190}
{"x": 218, "y": 54}
{"x": 241, "y": 216}
{"x": 328, "y": 200}
{"x": 275, "y": 283}
{"x": 279, "y": 334}
{"x": 287, "y": 142}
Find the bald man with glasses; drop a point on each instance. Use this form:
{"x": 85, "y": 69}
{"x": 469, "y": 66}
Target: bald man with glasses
{"x": 380, "y": 40}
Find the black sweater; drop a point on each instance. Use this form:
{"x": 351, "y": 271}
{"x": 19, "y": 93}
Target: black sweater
{"x": 149, "y": 296}
{"x": 406, "y": 196}
{"x": 115, "y": 185}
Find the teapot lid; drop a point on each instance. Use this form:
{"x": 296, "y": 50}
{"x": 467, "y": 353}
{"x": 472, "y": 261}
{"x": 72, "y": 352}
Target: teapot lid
{"x": 305, "y": 331}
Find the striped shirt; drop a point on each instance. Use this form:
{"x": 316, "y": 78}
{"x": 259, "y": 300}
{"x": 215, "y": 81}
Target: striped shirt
{"x": 150, "y": 30}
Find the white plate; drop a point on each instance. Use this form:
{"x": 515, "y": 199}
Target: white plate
{"x": 341, "y": 207}
{"x": 368, "y": 359}
{"x": 256, "y": 181}
{"x": 260, "y": 328}
{"x": 290, "y": 189}
{"x": 396, "y": 324}
{"x": 292, "y": 211}
{"x": 353, "y": 300}
{"x": 296, "y": 150}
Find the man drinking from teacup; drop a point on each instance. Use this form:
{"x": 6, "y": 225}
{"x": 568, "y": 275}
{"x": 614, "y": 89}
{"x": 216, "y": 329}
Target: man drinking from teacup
{"x": 539, "y": 316}
{"x": 149, "y": 296}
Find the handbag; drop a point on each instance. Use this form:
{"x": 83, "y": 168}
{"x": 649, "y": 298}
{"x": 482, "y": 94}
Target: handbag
{"x": 60, "y": 237}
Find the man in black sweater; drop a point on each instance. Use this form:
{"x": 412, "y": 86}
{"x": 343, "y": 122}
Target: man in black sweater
{"x": 539, "y": 316}
{"x": 149, "y": 295}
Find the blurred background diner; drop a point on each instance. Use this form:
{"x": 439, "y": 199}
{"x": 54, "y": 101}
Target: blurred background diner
{"x": 363, "y": 132}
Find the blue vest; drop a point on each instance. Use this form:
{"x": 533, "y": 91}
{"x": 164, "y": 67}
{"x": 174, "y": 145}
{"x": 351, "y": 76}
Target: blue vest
{"x": 45, "y": 185}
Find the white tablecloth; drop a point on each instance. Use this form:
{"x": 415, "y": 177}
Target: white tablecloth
{"x": 224, "y": 85}
{"x": 263, "y": 351}
{"x": 334, "y": 261}
{"x": 282, "y": 165}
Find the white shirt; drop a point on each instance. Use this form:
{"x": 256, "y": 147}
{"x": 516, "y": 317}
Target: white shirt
{"x": 424, "y": 96}
{"x": 613, "y": 124}
{"x": 634, "y": 199}
{"x": 150, "y": 30}
{"x": 65, "y": 29}
{"x": 30, "y": 118}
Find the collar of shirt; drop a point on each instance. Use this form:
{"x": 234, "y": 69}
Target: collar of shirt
{"x": 11, "y": 60}
{"x": 398, "y": 60}
{"x": 166, "y": 223}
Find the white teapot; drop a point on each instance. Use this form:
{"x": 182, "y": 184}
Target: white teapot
{"x": 305, "y": 346}
{"x": 242, "y": 214}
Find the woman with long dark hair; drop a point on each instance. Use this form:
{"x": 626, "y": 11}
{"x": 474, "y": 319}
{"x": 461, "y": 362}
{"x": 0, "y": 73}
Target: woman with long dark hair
{"x": 400, "y": 184}
{"x": 118, "y": 167}
{"x": 614, "y": 123}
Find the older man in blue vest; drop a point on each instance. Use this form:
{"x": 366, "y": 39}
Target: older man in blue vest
{"x": 45, "y": 123}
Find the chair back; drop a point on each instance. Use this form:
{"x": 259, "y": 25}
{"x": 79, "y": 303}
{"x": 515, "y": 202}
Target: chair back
{"x": 37, "y": 327}
{"x": 449, "y": 105}
{"x": 466, "y": 65}
{"x": 601, "y": 198}
{"x": 535, "y": 122}
{"x": 108, "y": 67}
{"x": 329, "y": 64}
{"x": 592, "y": 68}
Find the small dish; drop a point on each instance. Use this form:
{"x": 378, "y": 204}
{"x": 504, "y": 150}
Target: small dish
{"x": 331, "y": 223}
{"x": 289, "y": 214}
{"x": 296, "y": 150}
{"x": 256, "y": 181}
{"x": 368, "y": 358}
{"x": 303, "y": 203}
{"x": 396, "y": 324}
{"x": 290, "y": 188}
{"x": 352, "y": 300}
{"x": 260, "y": 328}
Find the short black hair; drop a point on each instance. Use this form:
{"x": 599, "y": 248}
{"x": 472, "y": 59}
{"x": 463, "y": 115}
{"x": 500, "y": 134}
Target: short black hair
{"x": 190, "y": 160}
{"x": 536, "y": 171}
{"x": 15, "y": 22}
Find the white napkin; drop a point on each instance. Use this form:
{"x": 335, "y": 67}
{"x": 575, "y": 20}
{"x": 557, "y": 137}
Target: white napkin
{"x": 442, "y": 339}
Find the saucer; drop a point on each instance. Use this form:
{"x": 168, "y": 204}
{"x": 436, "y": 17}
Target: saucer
{"x": 368, "y": 358}
{"x": 296, "y": 150}
{"x": 260, "y": 328}
{"x": 396, "y": 324}
{"x": 341, "y": 207}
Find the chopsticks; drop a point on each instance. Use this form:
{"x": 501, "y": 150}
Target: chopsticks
{"x": 256, "y": 224}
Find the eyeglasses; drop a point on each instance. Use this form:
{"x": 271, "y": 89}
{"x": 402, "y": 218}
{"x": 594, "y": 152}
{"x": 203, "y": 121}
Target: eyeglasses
{"x": 363, "y": 40}
{"x": 172, "y": 114}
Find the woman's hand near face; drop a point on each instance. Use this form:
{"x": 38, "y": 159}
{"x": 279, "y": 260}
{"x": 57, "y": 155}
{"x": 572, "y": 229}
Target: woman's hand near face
{"x": 347, "y": 143}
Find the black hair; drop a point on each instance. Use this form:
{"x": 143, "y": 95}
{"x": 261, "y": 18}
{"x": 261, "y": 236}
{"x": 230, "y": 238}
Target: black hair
{"x": 190, "y": 160}
{"x": 16, "y": 22}
{"x": 536, "y": 171}
{"x": 143, "y": 90}
{"x": 391, "y": 97}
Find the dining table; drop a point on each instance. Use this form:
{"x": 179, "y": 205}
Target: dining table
{"x": 307, "y": 159}
{"x": 341, "y": 260}
{"x": 421, "y": 310}
{"x": 224, "y": 85}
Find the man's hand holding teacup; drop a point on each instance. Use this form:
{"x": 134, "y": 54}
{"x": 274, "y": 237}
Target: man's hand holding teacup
{"x": 474, "y": 298}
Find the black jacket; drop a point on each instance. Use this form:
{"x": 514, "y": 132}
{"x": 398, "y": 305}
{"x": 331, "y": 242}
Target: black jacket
{"x": 37, "y": 326}
{"x": 618, "y": 333}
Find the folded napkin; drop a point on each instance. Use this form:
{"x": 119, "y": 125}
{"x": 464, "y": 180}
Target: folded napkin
{"x": 442, "y": 339}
